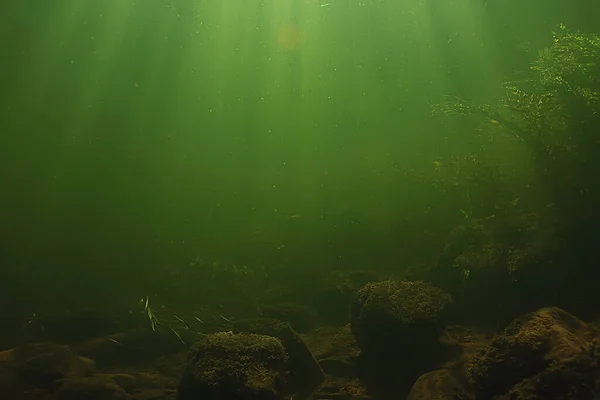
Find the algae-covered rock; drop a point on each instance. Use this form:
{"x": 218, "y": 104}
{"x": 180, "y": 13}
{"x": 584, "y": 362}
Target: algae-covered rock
{"x": 396, "y": 325}
{"x": 438, "y": 385}
{"x": 303, "y": 372}
{"x": 235, "y": 367}
{"x": 392, "y": 311}
{"x": 547, "y": 354}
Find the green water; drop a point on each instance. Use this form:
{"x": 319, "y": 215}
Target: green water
{"x": 289, "y": 139}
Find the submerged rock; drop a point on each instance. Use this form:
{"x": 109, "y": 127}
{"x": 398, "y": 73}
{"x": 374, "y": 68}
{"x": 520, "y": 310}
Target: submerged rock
{"x": 234, "y": 367}
{"x": 42, "y": 364}
{"x": 303, "y": 373}
{"x": 392, "y": 313}
{"x": 438, "y": 385}
{"x": 300, "y": 317}
{"x": 91, "y": 388}
{"x": 548, "y": 354}
{"x": 134, "y": 347}
{"x": 397, "y": 325}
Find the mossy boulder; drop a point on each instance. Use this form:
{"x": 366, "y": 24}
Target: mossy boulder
{"x": 397, "y": 325}
{"x": 303, "y": 373}
{"x": 392, "y": 313}
{"x": 234, "y": 367}
{"x": 548, "y": 354}
{"x": 441, "y": 384}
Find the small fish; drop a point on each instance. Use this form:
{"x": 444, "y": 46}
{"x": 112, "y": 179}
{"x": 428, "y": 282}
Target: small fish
{"x": 177, "y": 334}
{"x": 199, "y": 320}
{"x": 152, "y": 319}
{"x": 185, "y": 325}
{"x": 325, "y": 5}
{"x": 228, "y": 320}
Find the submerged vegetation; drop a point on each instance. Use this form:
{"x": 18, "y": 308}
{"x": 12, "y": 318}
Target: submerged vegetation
{"x": 554, "y": 111}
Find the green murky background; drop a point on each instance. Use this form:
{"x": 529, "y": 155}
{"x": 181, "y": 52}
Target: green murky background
{"x": 266, "y": 142}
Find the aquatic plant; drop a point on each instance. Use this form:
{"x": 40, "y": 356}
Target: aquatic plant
{"x": 475, "y": 183}
{"x": 555, "y": 112}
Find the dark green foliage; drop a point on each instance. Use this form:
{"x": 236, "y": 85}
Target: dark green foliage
{"x": 507, "y": 243}
{"x": 555, "y": 110}
{"x": 563, "y": 86}
{"x": 571, "y": 67}
{"x": 553, "y": 113}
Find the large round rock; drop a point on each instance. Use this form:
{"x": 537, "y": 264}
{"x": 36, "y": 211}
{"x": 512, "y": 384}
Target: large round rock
{"x": 397, "y": 325}
{"x": 392, "y": 313}
{"x": 228, "y": 366}
{"x": 548, "y": 354}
